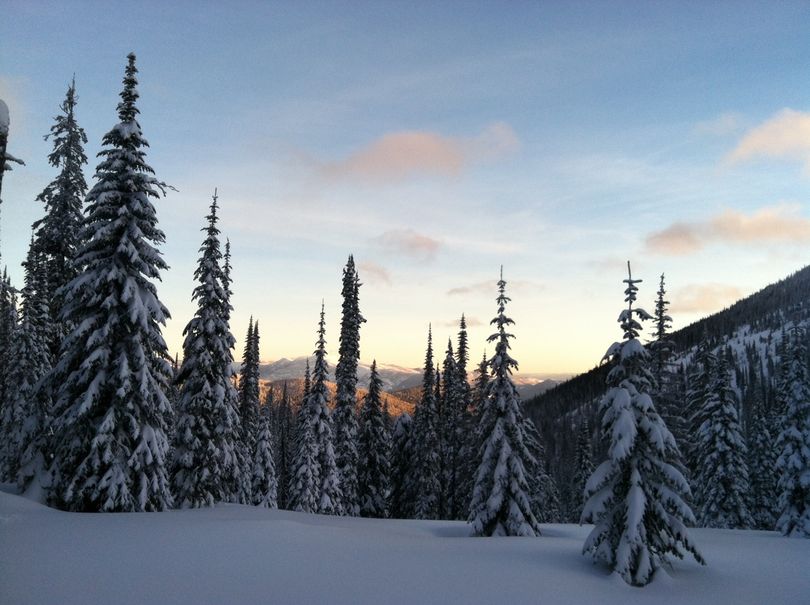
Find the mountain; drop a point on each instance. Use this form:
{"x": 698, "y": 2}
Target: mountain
{"x": 749, "y": 334}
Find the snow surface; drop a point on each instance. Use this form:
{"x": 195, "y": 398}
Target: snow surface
{"x": 4, "y": 121}
{"x": 245, "y": 555}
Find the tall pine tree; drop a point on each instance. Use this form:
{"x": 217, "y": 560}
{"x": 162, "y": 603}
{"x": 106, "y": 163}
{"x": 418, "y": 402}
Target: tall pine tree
{"x": 111, "y": 405}
{"x": 501, "y": 503}
{"x": 403, "y": 477}
{"x": 374, "y": 446}
{"x": 762, "y": 457}
{"x": 636, "y": 498}
{"x": 207, "y": 438}
{"x": 427, "y": 465}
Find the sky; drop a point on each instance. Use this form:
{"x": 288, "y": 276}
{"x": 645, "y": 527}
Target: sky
{"x": 436, "y": 142}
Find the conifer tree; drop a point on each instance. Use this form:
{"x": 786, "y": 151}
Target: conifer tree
{"x": 285, "y": 432}
{"x": 330, "y": 496}
{"x": 543, "y": 495}
{"x": 8, "y": 327}
{"x": 403, "y": 477}
{"x": 374, "y": 446}
{"x": 27, "y": 404}
{"x": 762, "y": 457}
{"x": 793, "y": 443}
{"x": 427, "y": 463}
{"x": 111, "y": 405}
{"x": 265, "y": 487}
{"x": 699, "y": 383}
{"x": 303, "y": 493}
{"x": 249, "y": 399}
{"x": 636, "y": 496}
{"x": 721, "y": 486}
{"x": 455, "y": 431}
{"x": 501, "y": 504}
{"x": 345, "y": 415}
{"x": 207, "y": 437}
{"x": 582, "y": 471}
{"x": 473, "y": 439}
{"x": 57, "y": 233}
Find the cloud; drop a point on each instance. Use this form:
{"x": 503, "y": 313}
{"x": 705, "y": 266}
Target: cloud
{"x": 786, "y": 135}
{"x": 374, "y": 273}
{"x": 781, "y": 223}
{"x": 490, "y": 287}
{"x": 704, "y": 298}
{"x": 397, "y": 156}
{"x": 723, "y": 125}
{"x": 409, "y": 243}
{"x": 472, "y": 322}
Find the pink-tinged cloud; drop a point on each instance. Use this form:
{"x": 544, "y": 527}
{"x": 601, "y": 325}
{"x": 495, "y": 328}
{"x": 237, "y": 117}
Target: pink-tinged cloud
{"x": 490, "y": 287}
{"x": 704, "y": 298}
{"x": 398, "y": 156}
{"x": 408, "y": 243}
{"x": 781, "y": 223}
{"x": 374, "y": 273}
{"x": 786, "y": 135}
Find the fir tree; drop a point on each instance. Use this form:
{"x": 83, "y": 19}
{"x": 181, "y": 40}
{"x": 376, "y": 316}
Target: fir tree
{"x": 455, "y": 431}
{"x": 543, "y": 495}
{"x": 762, "y": 469}
{"x": 57, "y": 233}
{"x": 285, "y": 451}
{"x": 721, "y": 486}
{"x": 345, "y": 416}
{"x": 427, "y": 463}
{"x": 27, "y": 403}
{"x": 206, "y": 466}
{"x": 473, "y": 439}
{"x": 636, "y": 496}
{"x": 8, "y": 328}
{"x": 661, "y": 348}
{"x": 330, "y": 496}
{"x": 403, "y": 478}
{"x": 111, "y": 406}
{"x": 374, "y": 470}
{"x": 264, "y": 469}
{"x": 699, "y": 382}
{"x": 304, "y": 486}
{"x": 249, "y": 400}
{"x": 582, "y": 471}
{"x": 793, "y": 444}
{"x": 501, "y": 504}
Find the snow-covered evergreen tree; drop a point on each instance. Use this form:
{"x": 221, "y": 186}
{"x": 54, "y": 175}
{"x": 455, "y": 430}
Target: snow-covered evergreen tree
{"x": 27, "y": 404}
{"x": 403, "y": 478}
{"x": 285, "y": 445}
{"x": 636, "y": 498}
{"x": 583, "y": 470}
{"x": 427, "y": 463}
{"x": 207, "y": 438}
{"x": 721, "y": 485}
{"x": 699, "y": 383}
{"x": 57, "y": 233}
{"x": 303, "y": 492}
{"x": 793, "y": 444}
{"x": 374, "y": 446}
{"x": 264, "y": 469}
{"x": 345, "y": 415}
{"x": 762, "y": 457}
{"x": 330, "y": 496}
{"x": 473, "y": 439}
{"x": 111, "y": 406}
{"x": 543, "y": 494}
{"x": 8, "y": 327}
{"x": 501, "y": 504}
{"x": 249, "y": 400}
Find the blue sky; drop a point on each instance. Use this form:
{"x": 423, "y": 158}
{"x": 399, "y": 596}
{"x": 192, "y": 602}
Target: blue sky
{"x": 437, "y": 141}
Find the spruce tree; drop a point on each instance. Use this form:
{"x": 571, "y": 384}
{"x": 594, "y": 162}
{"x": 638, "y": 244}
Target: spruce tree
{"x": 699, "y": 382}
{"x": 454, "y": 434}
{"x": 8, "y": 329}
{"x": 111, "y": 406}
{"x": 403, "y": 476}
{"x": 265, "y": 487}
{"x": 721, "y": 485}
{"x": 345, "y": 415}
{"x": 501, "y": 504}
{"x": 543, "y": 494}
{"x": 762, "y": 457}
{"x": 793, "y": 443}
{"x": 303, "y": 492}
{"x": 249, "y": 400}
{"x": 330, "y": 496}
{"x": 374, "y": 470}
{"x": 427, "y": 463}
{"x": 57, "y": 233}
{"x": 285, "y": 446}
{"x": 636, "y": 498}
{"x": 27, "y": 404}
{"x": 207, "y": 438}
{"x": 473, "y": 438}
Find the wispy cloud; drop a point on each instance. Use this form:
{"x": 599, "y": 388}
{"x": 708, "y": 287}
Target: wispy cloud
{"x": 771, "y": 224}
{"x": 408, "y": 243}
{"x": 397, "y": 156}
{"x": 472, "y": 322}
{"x": 723, "y": 125}
{"x": 374, "y": 273}
{"x": 786, "y": 135}
{"x": 490, "y": 287}
{"x": 704, "y": 298}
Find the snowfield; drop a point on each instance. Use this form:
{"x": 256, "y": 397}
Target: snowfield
{"x": 245, "y": 555}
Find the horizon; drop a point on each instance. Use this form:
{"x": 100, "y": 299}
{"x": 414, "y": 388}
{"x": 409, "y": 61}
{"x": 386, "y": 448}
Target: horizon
{"x": 436, "y": 145}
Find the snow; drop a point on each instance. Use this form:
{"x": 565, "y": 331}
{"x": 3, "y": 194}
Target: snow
{"x": 245, "y": 555}
{"x": 4, "y": 121}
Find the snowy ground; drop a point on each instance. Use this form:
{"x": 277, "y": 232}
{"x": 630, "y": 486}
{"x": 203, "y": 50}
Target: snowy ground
{"x": 245, "y": 555}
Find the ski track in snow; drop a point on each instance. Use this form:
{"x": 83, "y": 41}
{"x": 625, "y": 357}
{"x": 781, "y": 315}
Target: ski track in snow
{"x": 245, "y": 555}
